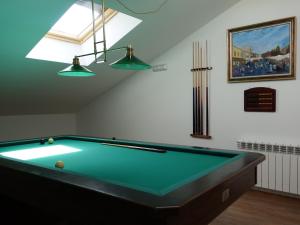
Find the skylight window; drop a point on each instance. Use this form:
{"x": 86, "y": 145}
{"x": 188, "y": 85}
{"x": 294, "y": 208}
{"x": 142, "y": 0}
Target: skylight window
{"x": 72, "y": 34}
{"x": 71, "y": 23}
{"x": 76, "y": 24}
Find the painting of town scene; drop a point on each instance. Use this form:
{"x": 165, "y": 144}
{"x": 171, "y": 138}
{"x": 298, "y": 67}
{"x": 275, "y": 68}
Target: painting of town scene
{"x": 262, "y": 52}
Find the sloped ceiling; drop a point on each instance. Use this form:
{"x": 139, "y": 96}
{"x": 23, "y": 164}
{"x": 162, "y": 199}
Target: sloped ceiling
{"x": 30, "y": 86}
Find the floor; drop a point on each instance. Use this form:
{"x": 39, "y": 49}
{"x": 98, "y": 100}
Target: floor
{"x": 258, "y": 208}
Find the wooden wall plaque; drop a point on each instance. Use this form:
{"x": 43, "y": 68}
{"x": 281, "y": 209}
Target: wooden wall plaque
{"x": 260, "y": 99}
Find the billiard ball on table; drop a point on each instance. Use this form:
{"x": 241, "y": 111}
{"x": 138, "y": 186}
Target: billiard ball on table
{"x": 42, "y": 141}
{"x": 59, "y": 164}
{"x": 50, "y": 140}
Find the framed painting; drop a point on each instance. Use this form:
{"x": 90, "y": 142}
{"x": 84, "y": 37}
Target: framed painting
{"x": 260, "y": 52}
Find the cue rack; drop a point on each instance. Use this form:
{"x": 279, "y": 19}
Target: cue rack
{"x": 201, "y": 72}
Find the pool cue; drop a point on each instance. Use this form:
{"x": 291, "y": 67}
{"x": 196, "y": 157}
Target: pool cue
{"x": 194, "y": 92}
{"x": 197, "y": 90}
{"x": 201, "y": 91}
{"x": 136, "y": 147}
{"x": 197, "y": 87}
{"x": 206, "y": 87}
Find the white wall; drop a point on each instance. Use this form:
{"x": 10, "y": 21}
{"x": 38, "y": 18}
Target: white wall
{"x": 34, "y": 126}
{"x": 158, "y": 106}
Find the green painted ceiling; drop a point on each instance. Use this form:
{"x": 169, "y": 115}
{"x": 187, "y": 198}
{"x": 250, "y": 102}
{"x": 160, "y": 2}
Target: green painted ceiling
{"x": 30, "y": 86}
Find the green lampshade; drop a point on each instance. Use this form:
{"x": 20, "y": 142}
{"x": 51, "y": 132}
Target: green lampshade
{"x": 76, "y": 70}
{"x": 130, "y": 62}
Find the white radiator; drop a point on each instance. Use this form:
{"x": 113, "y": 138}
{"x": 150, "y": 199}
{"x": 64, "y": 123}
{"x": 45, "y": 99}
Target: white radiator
{"x": 280, "y": 171}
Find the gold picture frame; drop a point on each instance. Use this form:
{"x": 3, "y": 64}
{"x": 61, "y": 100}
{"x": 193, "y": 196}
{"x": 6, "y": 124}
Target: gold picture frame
{"x": 262, "y": 52}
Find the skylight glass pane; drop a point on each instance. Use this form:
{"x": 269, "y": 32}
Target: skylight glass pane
{"x": 41, "y": 152}
{"x": 76, "y": 19}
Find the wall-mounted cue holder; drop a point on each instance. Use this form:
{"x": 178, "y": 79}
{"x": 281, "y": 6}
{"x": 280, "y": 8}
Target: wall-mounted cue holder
{"x": 200, "y": 72}
{"x": 260, "y": 99}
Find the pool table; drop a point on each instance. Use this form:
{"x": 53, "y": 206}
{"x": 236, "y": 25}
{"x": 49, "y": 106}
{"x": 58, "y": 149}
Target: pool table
{"x": 122, "y": 182}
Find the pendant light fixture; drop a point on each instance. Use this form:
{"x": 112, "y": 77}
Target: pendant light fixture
{"x": 129, "y": 62}
{"x": 76, "y": 70}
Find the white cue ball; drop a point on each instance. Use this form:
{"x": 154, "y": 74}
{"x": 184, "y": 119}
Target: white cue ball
{"x": 59, "y": 164}
{"x": 50, "y": 140}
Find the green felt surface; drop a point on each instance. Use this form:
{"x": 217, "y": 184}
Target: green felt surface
{"x": 156, "y": 173}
